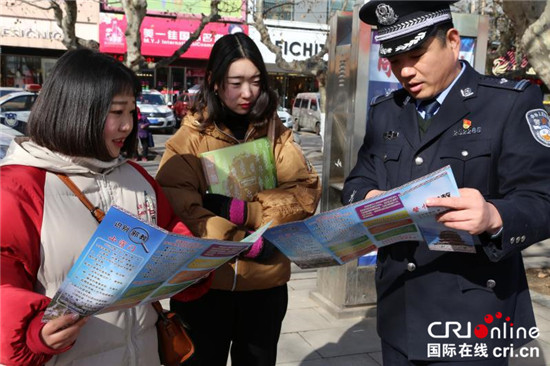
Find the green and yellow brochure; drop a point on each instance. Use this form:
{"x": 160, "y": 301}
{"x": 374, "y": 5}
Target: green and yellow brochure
{"x": 240, "y": 170}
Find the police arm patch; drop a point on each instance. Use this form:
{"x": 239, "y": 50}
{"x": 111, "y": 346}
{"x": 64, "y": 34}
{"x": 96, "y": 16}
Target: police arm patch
{"x": 539, "y": 124}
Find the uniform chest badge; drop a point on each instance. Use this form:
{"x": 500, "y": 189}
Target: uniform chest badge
{"x": 467, "y": 128}
{"x": 390, "y": 135}
{"x": 539, "y": 124}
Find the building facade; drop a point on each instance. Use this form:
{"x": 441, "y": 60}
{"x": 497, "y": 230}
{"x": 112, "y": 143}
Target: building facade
{"x": 30, "y": 40}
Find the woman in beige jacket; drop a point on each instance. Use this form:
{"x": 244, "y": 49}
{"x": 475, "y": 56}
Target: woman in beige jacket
{"x": 245, "y": 308}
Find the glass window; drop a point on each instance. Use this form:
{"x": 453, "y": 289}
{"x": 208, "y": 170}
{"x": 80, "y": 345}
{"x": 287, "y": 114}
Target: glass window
{"x": 313, "y": 105}
{"x": 278, "y": 9}
{"x": 154, "y": 99}
{"x": 17, "y": 71}
{"x": 22, "y": 103}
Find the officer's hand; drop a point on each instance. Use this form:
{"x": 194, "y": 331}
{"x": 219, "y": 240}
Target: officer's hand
{"x": 61, "y": 332}
{"x": 373, "y": 193}
{"x": 469, "y": 212}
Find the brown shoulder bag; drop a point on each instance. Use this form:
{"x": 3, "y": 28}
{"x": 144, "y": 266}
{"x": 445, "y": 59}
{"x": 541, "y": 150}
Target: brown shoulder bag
{"x": 174, "y": 343}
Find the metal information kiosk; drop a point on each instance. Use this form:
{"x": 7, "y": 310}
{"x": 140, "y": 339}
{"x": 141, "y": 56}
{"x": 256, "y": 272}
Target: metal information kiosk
{"x": 355, "y": 75}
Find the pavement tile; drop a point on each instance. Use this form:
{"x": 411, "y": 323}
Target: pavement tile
{"x": 542, "y": 323}
{"x": 354, "y": 360}
{"x": 377, "y": 356}
{"x": 536, "y": 347}
{"x": 294, "y": 348}
{"x": 541, "y": 312}
{"x": 302, "y": 274}
{"x": 299, "y": 299}
{"x": 358, "y": 339}
{"x": 299, "y": 320}
{"x": 301, "y": 284}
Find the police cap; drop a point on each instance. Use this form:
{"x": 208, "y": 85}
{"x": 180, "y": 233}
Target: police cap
{"x": 404, "y": 25}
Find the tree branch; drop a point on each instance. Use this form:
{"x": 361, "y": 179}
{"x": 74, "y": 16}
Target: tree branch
{"x": 212, "y": 17}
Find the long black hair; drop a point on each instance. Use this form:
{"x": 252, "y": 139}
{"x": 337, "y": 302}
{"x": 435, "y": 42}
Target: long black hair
{"x": 70, "y": 112}
{"x": 226, "y": 50}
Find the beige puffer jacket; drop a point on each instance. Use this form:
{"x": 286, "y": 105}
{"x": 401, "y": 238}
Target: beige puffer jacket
{"x": 295, "y": 198}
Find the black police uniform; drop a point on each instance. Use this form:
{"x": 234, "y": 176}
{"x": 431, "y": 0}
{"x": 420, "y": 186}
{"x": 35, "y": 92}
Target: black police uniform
{"x": 485, "y": 130}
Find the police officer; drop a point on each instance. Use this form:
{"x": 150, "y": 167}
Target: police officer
{"x": 452, "y": 307}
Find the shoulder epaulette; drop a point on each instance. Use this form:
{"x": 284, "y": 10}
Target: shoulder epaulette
{"x": 504, "y": 83}
{"x": 381, "y": 98}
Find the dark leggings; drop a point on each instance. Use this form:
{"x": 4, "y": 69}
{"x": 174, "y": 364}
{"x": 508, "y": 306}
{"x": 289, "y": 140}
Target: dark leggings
{"x": 245, "y": 323}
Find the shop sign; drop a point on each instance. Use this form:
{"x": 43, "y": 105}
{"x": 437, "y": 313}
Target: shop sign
{"x": 36, "y": 33}
{"x": 295, "y": 44}
{"x": 162, "y": 36}
{"x": 229, "y": 10}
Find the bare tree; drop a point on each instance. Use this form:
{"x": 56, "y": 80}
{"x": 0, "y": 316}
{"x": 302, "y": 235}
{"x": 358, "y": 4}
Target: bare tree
{"x": 531, "y": 21}
{"x": 136, "y": 10}
{"x": 65, "y": 17}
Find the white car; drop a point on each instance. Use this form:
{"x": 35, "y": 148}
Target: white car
{"x": 285, "y": 117}
{"x": 152, "y": 105}
{"x": 8, "y": 89}
{"x": 15, "y": 109}
{"x": 7, "y": 134}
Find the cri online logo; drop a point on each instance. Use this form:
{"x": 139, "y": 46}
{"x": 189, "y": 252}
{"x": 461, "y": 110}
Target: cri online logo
{"x": 505, "y": 331}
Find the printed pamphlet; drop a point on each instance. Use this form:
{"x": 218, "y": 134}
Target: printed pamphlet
{"x": 129, "y": 262}
{"x": 338, "y": 236}
{"x": 240, "y": 170}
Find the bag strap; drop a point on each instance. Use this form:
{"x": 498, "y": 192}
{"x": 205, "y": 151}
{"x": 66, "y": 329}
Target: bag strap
{"x": 96, "y": 212}
{"x": 158, "y": 307}
{"x": 98, "y": 215}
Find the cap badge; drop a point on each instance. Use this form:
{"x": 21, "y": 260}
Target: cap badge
{"x": 385, "y": 14}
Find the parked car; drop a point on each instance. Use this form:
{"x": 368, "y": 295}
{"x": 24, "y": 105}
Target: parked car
{"x": 8, "y": 89}
{"x": 152, "y": 105}
{"x": 306, "y": 112}
{"x": 15, "y": 107}
{"x": 285, "y": 117}
{"x": 182, "y": 105}
{"x": 7, "y": 134}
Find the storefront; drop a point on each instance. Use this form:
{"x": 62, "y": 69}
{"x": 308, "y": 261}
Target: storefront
{"x": 296, "y": 44}
{"x": 31, "y": 41}
{"x": 161, "y": 35}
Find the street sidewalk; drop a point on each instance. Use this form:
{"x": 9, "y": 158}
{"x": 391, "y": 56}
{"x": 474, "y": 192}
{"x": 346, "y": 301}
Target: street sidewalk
{"x": 312, "y": 337}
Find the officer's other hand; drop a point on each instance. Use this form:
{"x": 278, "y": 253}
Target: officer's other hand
{"x": 469, "y": 212}
{"x": 61, "y": 332}
{"x": 373, "y": 193}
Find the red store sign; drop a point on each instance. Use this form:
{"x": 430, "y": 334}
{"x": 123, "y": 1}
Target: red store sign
{"x": 162, "y": 36}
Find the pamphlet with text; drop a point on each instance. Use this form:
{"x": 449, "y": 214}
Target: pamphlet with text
{"x": 129, "y": 262}
{"x": 338, "y": 236}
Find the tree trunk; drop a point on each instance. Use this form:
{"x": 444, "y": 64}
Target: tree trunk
{"x": 135, "y": 11}
{"x": 532, "y": 20}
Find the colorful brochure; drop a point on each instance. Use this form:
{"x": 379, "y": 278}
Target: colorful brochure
{"x": 240, "y": 170}
{"x": 129, "y": 262}
{"x": 338, "y": 236}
